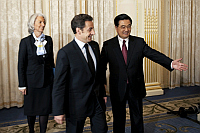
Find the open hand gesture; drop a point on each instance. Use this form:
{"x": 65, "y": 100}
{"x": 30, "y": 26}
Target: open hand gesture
{"x": 176, "y": 64}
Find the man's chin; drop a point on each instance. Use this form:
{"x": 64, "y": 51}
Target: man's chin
{"x": 89, "y": 40}
{"x": 124, "y": 37}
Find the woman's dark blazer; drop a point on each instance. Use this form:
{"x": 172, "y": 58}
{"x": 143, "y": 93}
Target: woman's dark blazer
{"x": 35, "y": 71}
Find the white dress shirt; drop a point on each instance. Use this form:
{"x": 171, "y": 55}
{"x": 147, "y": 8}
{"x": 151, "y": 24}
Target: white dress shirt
{"x": 121, "y": 42}
{"x": 82, "y": 47}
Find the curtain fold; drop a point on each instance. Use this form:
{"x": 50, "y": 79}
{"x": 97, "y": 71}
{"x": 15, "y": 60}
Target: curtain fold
{"x": 185, "y": 18}
{"x": 62, "y": 13}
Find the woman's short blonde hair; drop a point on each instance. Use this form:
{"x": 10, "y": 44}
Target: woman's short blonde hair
{"x": 32, "y": 19}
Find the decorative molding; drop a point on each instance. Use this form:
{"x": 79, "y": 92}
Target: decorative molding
{"x": 155, "y": 92}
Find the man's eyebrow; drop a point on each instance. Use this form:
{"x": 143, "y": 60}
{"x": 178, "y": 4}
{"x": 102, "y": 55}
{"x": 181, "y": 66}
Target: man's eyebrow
{"x": 125, "y": 25}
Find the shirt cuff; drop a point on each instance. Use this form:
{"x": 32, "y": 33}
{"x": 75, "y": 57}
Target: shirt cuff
{"x": 171, "y": 65}
{"x": 21, "y": 88}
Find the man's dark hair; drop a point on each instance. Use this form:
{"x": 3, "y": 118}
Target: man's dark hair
{"x": 79, "y": 21}
{"x": 121, "y": 17}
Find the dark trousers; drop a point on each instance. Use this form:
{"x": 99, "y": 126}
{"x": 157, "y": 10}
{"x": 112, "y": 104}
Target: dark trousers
{"x": 136, "y": 113}
{"x": 97, "y": 120}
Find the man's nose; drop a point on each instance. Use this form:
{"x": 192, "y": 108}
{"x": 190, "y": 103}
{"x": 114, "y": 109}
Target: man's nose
{"x": 126, "y": 29}
{"x": 43, "y": 24}
{"x": 93, "y": 32}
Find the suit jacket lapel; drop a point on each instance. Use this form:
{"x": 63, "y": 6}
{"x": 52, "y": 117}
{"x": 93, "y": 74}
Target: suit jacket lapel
{"x": 47, "y": 48}
{"x": 131, "y": 47}
{"x": 79, "y": 53}
{"x": 117, "y": 50}
{"x": 33, "y": 47}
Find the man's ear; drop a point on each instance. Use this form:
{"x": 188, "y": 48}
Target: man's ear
{"x": 115, "y": 27}
{"x": 78, "y": 30}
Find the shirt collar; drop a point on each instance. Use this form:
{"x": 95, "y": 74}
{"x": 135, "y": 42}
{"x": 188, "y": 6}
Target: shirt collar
{"x": 80, "y": 43}
{"x": 41, "y": 37}
{"x": 121, "y": 40}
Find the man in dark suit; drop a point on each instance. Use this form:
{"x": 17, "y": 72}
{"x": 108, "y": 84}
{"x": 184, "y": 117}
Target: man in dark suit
{"x": 125, "y": 54}
{"x": 77, "y": 92}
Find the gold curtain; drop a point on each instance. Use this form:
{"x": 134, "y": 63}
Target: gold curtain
{"x": 185, "y": 40}
{"x": 178, "y": 37}
{"x": 62, "y": 12}
{"x": 14, "y": 16}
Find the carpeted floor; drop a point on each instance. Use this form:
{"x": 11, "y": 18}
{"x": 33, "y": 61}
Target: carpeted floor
{"x": 156, "y": 118}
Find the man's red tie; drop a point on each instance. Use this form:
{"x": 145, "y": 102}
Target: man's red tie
{"x": 124, "y": 51}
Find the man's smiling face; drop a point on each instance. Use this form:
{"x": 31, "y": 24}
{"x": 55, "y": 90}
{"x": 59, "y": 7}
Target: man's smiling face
{"x": 124, "y": 28}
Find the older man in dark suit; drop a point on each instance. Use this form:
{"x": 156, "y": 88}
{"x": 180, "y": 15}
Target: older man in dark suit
{"x": 77, "y": 92}
{"x": 125, "y": 54}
